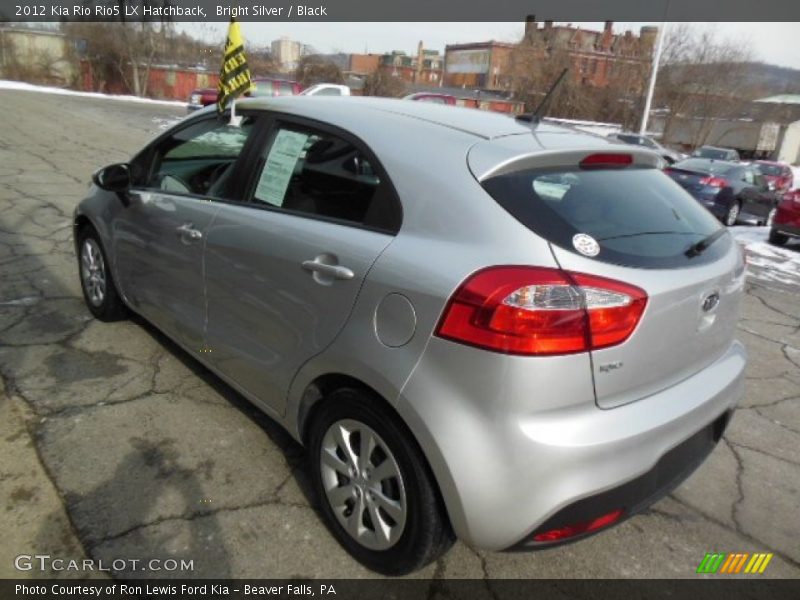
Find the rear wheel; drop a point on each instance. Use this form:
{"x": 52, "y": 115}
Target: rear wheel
{"x": 732, "y": 215}
{"x": 374, "y": 486}
{"x": 97, "y": 283}
{"x": 776, "y": 238}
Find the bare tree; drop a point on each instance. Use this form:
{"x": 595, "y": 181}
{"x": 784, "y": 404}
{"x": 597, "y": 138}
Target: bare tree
{"x": 700, "y": 80}
{"x": 313, "y": 69}
{"x": 383, "y": 83}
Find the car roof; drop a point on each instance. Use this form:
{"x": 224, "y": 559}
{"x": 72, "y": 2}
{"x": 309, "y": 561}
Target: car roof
{"x": 363, "y": 112}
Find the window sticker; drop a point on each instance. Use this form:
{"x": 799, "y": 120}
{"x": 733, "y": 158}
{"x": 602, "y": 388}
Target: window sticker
{"x": 280, "y": 166}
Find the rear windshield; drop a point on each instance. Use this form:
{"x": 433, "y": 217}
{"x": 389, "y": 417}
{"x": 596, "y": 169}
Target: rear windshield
{"x": 773, "y": 170}
{"x": 713, "y": 153}
{"x": 639, "y": 217}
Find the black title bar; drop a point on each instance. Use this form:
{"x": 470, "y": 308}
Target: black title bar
{"x": 407, "y": 10}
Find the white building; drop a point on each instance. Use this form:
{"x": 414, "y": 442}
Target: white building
{"x": 287, "y": 52}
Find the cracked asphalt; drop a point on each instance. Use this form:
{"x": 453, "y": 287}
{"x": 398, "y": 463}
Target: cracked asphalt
{"x": 114, "y": 443}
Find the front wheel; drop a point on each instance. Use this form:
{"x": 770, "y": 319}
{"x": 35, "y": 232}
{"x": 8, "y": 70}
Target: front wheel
{"x": 374, "y": 486}
{"x": 97, "y": 283}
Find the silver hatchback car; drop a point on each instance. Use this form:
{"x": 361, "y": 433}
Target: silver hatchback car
{"x": 479, "y": 326}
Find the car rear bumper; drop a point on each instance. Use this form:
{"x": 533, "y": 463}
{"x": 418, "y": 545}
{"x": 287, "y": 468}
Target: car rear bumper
{"x": 509, "y": 468}
{"x": 632, "y": 497}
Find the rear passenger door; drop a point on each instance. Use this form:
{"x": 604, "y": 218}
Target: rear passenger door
{"x": 283, "y": 270}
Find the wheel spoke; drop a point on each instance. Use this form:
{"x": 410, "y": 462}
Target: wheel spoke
{"x": 338, "y": 495}
{"x": 392, "y": 507}
{"x": 382, "y": 529}
{"x": 330, "y": 459}
{"x": 342, "y": 437}
{"x": 356, "y": 518}
{"x": 385, "y": 470}
{"x": 365, "y": 451}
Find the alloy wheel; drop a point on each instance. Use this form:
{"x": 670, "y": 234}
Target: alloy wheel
{"x": 363, "y": 484}
{"x": 93, "y": 272}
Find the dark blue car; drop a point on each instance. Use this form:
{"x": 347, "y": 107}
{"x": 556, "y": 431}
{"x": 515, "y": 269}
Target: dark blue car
{"x": 730, "y": 190}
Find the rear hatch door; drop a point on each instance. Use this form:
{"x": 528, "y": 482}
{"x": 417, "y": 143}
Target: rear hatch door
{"x": 643, "y": 227}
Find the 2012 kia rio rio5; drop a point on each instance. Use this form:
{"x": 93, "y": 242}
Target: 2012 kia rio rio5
{"x": 482, "y": 327}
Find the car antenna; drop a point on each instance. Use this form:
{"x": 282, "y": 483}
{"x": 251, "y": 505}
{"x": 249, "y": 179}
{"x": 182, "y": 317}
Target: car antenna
{"x": 535, "y": 117}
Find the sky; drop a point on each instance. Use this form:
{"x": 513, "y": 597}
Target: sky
{"x": 774, "y": 43}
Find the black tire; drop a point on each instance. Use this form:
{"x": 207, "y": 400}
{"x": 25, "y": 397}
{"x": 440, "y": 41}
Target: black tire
{"x": 426, "y": 534}
{"x": 776, "y": 238}
{"x": 110, "y": 307}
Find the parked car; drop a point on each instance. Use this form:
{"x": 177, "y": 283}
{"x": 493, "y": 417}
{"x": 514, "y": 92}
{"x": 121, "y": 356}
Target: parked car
{"x": 716, "y": 153}
{"x": 518, "y": 340}
{"x": 432, "y": 97}
{"x": 778, "y": 174}
{"x": 670, "y": 156}
{"x": 326, "y": 89}
{"x": 729, "y": 190}
{"x": 262, "y": 86}
{"x": 786, "y": 224}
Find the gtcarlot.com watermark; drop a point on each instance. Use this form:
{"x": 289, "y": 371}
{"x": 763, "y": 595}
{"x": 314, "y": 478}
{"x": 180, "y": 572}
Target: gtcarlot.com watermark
{"x": 45, "y": 562}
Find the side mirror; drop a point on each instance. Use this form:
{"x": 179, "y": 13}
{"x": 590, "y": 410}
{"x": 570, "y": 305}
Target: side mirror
{"x": 113, "y": 178}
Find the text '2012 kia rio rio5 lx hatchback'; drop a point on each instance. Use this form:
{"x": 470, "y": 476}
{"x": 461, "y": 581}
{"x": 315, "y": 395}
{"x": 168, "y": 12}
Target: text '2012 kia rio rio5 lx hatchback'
{"x": 479, "y": 327}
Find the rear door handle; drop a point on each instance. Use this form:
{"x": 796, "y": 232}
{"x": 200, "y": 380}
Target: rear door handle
{"x": 188, "y": 231}
{"x": 335, "y": 271}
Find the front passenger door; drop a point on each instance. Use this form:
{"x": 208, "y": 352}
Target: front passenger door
{"x": 160, "y": 236}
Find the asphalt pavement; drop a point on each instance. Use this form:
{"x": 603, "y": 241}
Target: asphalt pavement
{"x": 115, "y": 444}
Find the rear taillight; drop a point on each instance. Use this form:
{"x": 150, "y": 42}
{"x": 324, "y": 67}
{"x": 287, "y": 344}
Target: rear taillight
{"x": 540, "y": 311}
{"x": 715, "y": 182}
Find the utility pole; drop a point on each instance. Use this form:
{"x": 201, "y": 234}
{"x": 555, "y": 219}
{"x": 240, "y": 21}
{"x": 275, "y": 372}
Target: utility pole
{"x": 651, "y": 88}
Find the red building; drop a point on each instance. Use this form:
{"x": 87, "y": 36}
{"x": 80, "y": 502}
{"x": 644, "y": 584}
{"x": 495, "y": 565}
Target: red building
{"x": 163, "y": 82}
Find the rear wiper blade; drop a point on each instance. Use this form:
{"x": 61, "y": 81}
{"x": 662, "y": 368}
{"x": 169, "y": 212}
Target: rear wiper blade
{"x": 703, "y": 245}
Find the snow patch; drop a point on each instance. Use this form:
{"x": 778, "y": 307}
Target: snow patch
{"x": 29, "y": 87}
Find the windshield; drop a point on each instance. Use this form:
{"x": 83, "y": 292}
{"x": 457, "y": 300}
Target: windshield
{"x": 638, "y": 216}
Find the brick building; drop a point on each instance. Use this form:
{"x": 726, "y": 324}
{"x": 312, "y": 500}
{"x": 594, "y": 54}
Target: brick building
{"x": 598, "y": 57}
{"x": 424, "y": 68}
{"x": 477, "y": 65}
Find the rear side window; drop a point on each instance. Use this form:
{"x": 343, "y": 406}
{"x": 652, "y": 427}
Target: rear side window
{"x": 639, "y": 217}
{"x": 323, "y": 175}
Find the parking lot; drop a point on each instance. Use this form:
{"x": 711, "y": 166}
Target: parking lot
{"x": 116, "y": 444}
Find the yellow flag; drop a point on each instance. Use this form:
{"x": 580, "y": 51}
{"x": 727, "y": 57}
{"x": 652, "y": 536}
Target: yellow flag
{"x": 234, "y": 77}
